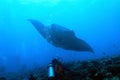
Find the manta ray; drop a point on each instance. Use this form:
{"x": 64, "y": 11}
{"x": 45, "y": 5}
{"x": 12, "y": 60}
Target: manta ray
{"x": 61, "y": 37}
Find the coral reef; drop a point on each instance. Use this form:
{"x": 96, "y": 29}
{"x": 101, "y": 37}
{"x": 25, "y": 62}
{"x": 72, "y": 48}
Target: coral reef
{"x": 99, "y": 69}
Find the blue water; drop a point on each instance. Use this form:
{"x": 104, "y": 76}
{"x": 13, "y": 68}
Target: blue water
{"x": 22, "y": 47}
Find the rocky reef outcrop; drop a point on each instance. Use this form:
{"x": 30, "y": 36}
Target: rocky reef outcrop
{"x": 99, "y": 69}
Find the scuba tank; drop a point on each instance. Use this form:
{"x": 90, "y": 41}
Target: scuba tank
{"x": 51, "y": 73}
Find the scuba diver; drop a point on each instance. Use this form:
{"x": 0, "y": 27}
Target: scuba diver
{"x": 55, "y": 70}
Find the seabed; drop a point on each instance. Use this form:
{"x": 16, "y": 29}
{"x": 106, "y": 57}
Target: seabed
{"x": 99, "y": 69}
